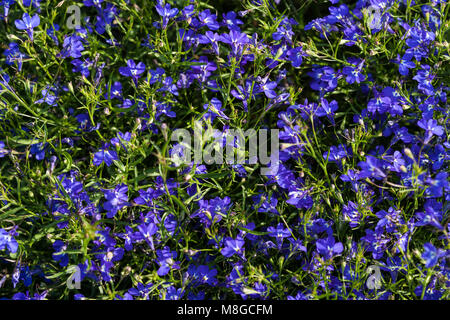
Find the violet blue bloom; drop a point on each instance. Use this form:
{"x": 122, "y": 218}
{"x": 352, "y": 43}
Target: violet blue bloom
{"x": 28, "y": 23}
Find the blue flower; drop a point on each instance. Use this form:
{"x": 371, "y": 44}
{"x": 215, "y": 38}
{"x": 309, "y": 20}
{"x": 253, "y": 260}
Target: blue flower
{"x": 132, "y": 70}
{"x": 280, "y": 232}
{"x": 296, "y": 56}
{"x": 328, "y": 247}
{"x": 72, "y": 47}
{"x": 166, "y": 12}
{"x": 209, "y": 19}
{"x": 354, "y": 73}
{"x": 405, "y": 63}
{"x": 431, "y": 128}
{"x": 327, "y": 109}
{"x": 38, "y": 149}
{"x": 230, "y": 20}
{"x": 7, "y": 240}
{"x": 233, "y": 246}
{"x": 172, "y": 293}
{"x": 116, "y": 199}
{"x": 59, "y": 255}
{"x": 431, "y": 255}
{"x": 28, "y": 23}
{"x": 3, "y": 151}
{"x": 166, "y": 260}
{"x": 372, "y": 167}
{"x": 48, "y": 97}
{"x": 105, "y": 155}
{"x": 352, "y": 214}
{"x": 147, "y": 232}
{"x": 13, "y": 54}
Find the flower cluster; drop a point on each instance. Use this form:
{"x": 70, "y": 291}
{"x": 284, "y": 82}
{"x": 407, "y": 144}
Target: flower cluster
{"x": 87, "y": 178}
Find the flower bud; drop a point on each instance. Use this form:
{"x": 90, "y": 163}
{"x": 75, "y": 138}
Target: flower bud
{"x": 408, "y": 153}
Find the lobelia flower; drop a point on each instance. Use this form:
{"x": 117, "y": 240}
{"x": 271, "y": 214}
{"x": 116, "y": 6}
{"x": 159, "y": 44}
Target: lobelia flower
{"x": 378, "y": 104}
{"x": 336, "y": 154}
{"x": 3, "y": 151}
{"x": 352, "y": 214}
{"x": 164, "y": 109}
{"x": 269, "y": 204}
{"x": 212, "y": 211}
{"x": 169, "y": 86}
{"x": 166, "y": 260}
{"x": 105, "y": 19}
{"x": 244, "y": 93}
{"x": 114, "y": 92}
{"x": 148, "y": 231}
{"x": 431, "y": 255}
{"x": 130, "y": 237}
{"x": 260, "y": 291}
{"x": 142, "y": 290}
{"x": 328, "y": 248}
{"x": 299, "y": 296}
{"x": 38, "y": 149}
{"x": 431, "y": 128}
{"x": 132, "y": 70}
{"x": 36, "y": 3}
{"x": 299, "y": 198}
{"x": 95, "y": 3}
{"x": 283, "y": 32}
{"x": 48, "y": 97}
{"x": 354, "y": 73}
{"x": 107, "y": 261}
{"x": 209, "y": 19}
{"x": 59, "y": 255}
{"x": 352, "y": 177}
{"x": 28, "y": 23}
{"x": 295, "y": 55}
{"x": 156, "y": 75}
{"x": 7, "y": 240}
{"x": 105, "y": 155}
{"x": 325, "y": 79}
{"x": 337, "y": 14}
{"x": 26, "y": 296}
{"x": 394, "y": 265}
{"x": 121, "y": 139}
{"x": 280, "y": 232}
{"x": 82, "y": 66}
{"x": 13, "y": 54}
{"x": 166, "y": 12}
{"x": 376, "y": 242}
{"x": 438, "y": 156}
{"x": 172, "y": 293}
{"x": 51, "y": 32}
{"x": 116, "y": 199}
{"x": 396, "y": 162}
{"x": 371, "y": 168}
{"x": 233, "y": 246}
{"x": 214, "y": 110}
{"x": 236, "y": 40}
{"x": 202, "y": 275}
{"x": 424, "y": 78}
{"x": 212, "y": 38}
{"x": 389, "y": 221}
{"x": 327, "y": 109}
{"x": 72, "y": 47}
{"x": 437, "y": 186}
{"x": 267, "y": 87}
{"x": 405, "y": 63}
{"x": 230, "y": 21}
{"x": 236, "y": 280}
{"x": 6, "y": 4}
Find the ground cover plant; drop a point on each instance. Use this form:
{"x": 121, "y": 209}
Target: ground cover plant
{"x": 95, "y": 205}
